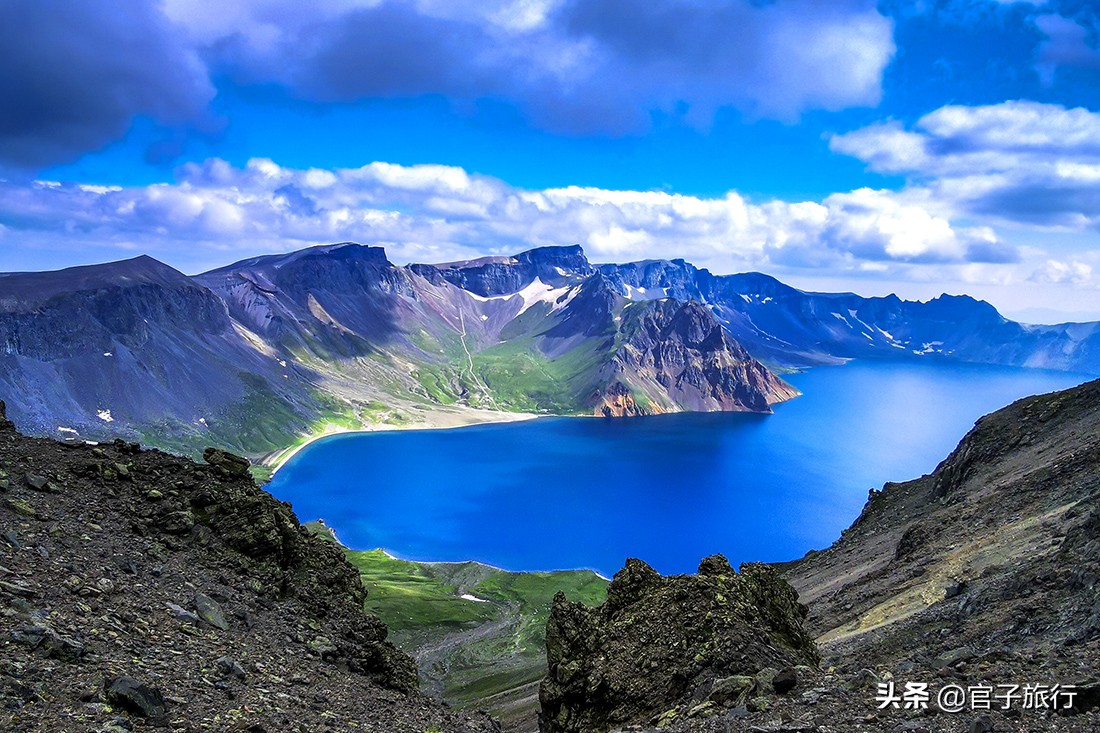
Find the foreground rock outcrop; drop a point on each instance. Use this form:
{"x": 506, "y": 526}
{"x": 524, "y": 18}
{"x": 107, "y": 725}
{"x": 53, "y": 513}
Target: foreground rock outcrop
{"x": 661, "y": 647}
{"x": 138, "y": 589}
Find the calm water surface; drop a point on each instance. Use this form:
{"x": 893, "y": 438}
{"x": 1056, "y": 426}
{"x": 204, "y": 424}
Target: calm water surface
{"x": 670, "y": 489}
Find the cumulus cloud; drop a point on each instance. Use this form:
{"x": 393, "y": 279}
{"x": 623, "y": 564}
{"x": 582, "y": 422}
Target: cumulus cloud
{"x": 866, "y": 227}
{"x": 215, "y": 211}
{"x": 1021, "y": 162}
{"x": 76, "y": 74}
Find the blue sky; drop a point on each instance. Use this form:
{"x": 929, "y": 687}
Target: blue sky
{"x": 909, "y": 147}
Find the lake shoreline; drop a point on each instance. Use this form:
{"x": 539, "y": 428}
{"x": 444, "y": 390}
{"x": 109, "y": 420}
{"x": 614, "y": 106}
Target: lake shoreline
{"x": 277, "y": 459}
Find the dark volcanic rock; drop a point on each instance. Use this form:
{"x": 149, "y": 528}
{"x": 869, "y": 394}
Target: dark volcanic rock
{"x": 131, "y": 695}
{"x": 210, "y": 611}
{"x": 657, "y": 639}
{"x": 785, "y": 681}
{"x": 232, "y": 465}
{"x": 98, "y": 593}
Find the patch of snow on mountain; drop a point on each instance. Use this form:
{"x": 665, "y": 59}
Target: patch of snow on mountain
{"x": 540, "y": 292}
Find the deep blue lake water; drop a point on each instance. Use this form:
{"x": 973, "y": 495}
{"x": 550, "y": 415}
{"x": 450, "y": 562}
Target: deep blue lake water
{"x": 589, "y": 492}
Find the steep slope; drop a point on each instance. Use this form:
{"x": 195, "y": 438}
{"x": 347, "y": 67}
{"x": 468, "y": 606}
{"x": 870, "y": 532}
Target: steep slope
{"x": 589, "y": 349}
{"x": 673, "y": 356}
{"x": 999, "y": 545}
{"x": 139, "y": 349}
{"x": 334, "y": 301}
{"x": 142, "y": 591}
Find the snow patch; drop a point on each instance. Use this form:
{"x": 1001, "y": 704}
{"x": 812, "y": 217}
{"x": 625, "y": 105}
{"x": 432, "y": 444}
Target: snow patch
{"x": 475, "y": 599}
{"x": 105, "y": 415}
{"x": 67, "y": 430}
{"x": 484, "y": 317}
{"x": 643, "y": 294}
{"x": 539, "y": 292}
{"x": 108, "y": 353}
{"x": 535, "y": 292}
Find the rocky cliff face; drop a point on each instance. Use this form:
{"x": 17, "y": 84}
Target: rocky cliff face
{"x": 139, "y": 590}
{"x": 984, "y": 572}
{"x": 678, "y": 356}
{"x": 788, "y": 327}
{"x": 661, "y": 646}
{"x": 338, "y": 299}
{"x": 995, "y": 544}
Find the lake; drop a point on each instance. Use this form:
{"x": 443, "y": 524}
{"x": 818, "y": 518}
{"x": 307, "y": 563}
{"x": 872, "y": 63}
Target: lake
{"x": 589, "y": 492}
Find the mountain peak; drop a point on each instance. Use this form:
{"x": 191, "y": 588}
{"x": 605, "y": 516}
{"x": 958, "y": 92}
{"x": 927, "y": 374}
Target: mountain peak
{"x": 500, "y": 275}
{"x": 29, "y": 289}
{"x": 570, "y": 253}
{"x": 339, "y": 251}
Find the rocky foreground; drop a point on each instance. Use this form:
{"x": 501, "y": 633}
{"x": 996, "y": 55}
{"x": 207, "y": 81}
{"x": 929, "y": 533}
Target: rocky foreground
{"x": 657, "y": 640}
{"x": 139, "y": 590}
{"x": 982, "y": 578}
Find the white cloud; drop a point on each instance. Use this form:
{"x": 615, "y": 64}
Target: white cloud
{"x": 432, "y": 212}
{"x": 1057, "y": 272}
{"x": 1021, "y": 162}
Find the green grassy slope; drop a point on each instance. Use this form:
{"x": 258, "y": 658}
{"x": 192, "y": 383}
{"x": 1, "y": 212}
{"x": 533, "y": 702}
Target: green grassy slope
{"x": 487, "y": 653}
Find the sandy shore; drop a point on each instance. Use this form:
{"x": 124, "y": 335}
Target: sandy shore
{"x": 436, "y": 420}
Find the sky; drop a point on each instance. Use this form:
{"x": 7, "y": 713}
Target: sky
{"x": 913, "y": 147}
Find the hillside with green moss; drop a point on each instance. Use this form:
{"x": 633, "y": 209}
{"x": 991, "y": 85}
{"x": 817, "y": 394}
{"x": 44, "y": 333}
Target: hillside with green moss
{"x": 478, "y": 633}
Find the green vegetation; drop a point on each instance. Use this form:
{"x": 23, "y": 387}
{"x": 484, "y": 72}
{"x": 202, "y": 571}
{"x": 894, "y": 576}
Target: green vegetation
{"x": 262, "y": 418}
{"x": 408, "y": 595}
{"x": 522, "y": 379}
{"x": 436, "y": 384}
{"x": 486, "y": 653}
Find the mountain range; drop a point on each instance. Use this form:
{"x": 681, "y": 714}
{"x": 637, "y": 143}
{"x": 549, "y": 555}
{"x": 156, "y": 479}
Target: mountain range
{"x": 254, "y": 355}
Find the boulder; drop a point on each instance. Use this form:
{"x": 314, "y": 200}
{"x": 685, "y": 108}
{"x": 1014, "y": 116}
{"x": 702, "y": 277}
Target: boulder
{"x": 131, "y": 695}
{"x": 226, "y": 462}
